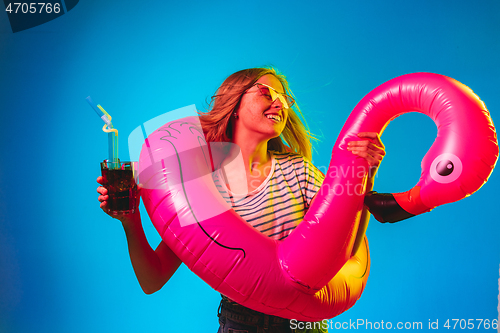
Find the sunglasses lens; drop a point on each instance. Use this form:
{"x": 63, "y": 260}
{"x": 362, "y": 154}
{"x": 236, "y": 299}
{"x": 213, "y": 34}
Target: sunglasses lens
{"x": 286, "y": 100}
{"x": 265, "y": 91}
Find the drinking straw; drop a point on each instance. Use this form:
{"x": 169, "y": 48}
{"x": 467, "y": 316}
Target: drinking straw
{"x": 108, "y": 128}
{"x": 99, "y": 112}
{"x": 112, "y": 138}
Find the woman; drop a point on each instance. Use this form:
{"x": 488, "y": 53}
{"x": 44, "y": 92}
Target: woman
{"x": 253, "y": 110}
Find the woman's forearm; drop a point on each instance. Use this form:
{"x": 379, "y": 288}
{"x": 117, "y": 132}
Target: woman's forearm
{"x": 152, "y": 268}
{"x": 363, "y": 221}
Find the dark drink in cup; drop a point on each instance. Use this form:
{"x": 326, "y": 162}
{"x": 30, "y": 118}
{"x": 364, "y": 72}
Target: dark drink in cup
{"x": 119, "y": 180}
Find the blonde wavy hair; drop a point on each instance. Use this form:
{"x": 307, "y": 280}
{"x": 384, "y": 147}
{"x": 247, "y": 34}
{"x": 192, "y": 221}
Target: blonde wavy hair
{"x": 217, "y": 124}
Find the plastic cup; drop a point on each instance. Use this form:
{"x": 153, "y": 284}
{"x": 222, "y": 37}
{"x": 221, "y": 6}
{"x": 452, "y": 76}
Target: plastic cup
{"x": 120, "y": 179}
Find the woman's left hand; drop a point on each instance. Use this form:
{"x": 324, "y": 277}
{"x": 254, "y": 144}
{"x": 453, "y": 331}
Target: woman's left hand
{"x": 372, "y": 150}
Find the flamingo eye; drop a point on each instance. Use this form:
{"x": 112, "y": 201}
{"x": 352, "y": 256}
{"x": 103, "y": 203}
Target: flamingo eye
{"x": 446, "y": 168}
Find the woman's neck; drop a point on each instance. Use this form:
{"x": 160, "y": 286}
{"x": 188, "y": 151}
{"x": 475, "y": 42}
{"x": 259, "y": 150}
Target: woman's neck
{"x": 254, "y": 167}
{"x": 254, "y": 156}
{"x": 253, "y": 149}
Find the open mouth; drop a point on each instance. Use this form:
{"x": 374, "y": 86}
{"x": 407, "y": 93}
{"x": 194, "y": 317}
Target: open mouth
{"x": 274, "y": 117}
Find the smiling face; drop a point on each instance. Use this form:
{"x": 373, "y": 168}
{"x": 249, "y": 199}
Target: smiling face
{"x": 259, "y": 117}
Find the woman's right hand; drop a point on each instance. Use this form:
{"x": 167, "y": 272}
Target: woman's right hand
{"x": 103, "y": 197}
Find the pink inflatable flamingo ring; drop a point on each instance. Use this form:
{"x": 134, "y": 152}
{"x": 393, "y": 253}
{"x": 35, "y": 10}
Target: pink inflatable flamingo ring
{"x": 311, "y": 275}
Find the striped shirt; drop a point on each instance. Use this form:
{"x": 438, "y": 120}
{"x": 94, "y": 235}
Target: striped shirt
{"x": 277, "y": 206}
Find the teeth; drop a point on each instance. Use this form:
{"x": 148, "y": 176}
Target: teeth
{"x": 273, "y": 116}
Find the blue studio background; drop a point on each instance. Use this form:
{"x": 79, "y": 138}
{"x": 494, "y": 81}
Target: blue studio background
{"x": 64, "y": 265}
